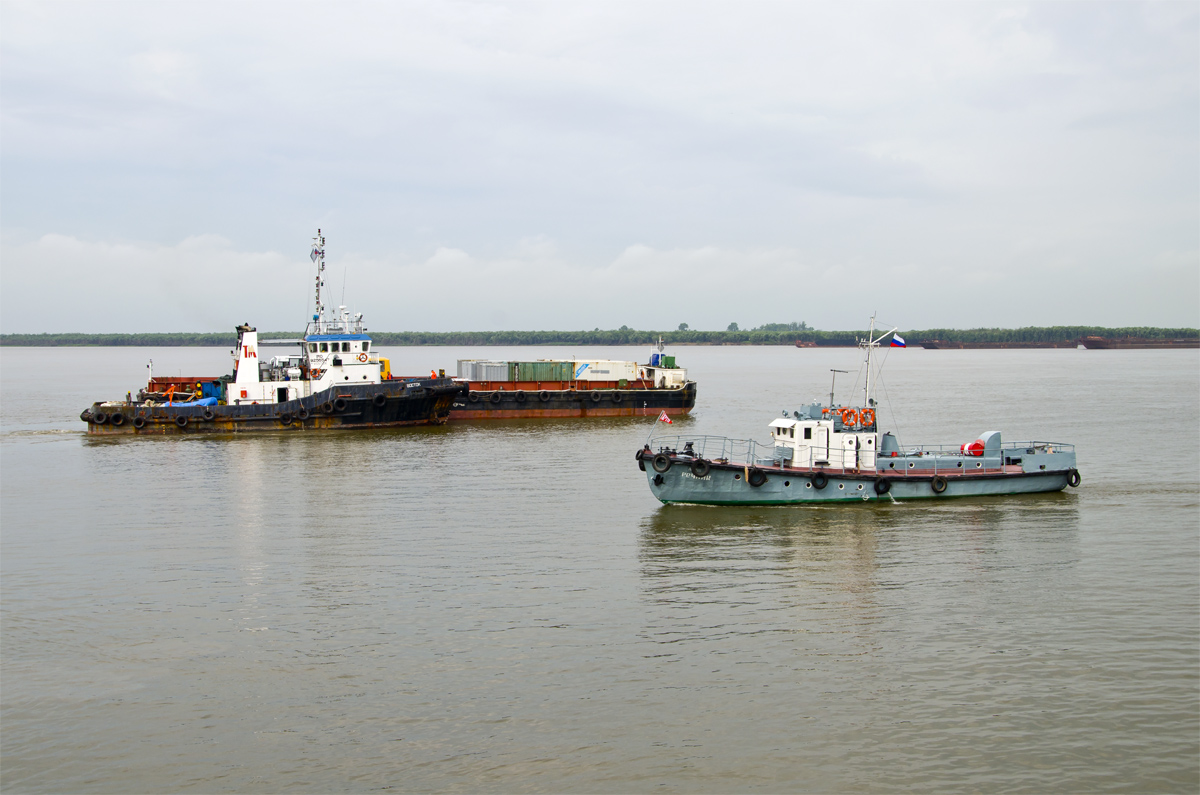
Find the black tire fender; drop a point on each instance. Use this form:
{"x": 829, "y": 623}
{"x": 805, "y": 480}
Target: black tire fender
{"x": 380, "y": 400}
{"x": 181, "y": 420}
{"x": 700, "y": 468}
{"x": 597, "y": 397}
{"x": 819, "y": 481}
{"x": 662, "y": 462}
{"x": 617, "y": 397}
{"x": 938, "y": 484}
{"x": 139, "y": 421}
{"x": 1073, "y": 479}
{"x": 496, "y": 397}
{"x": 208, "y": 414}
{"x": 117, "y": 419}
{"x": 327, "y": 407}
{"x": 473, "y": 397}
{"x": 99, "y": 417}
{"x": 302, "y": 414}
{"x": 520, "y": 396}
{"x": 339, "y": 404}
{"x": 883, "y": 486}
{"x": 757, "y": 477}
{"x": 544, "y": 395}
{"x": 285, "y": 418}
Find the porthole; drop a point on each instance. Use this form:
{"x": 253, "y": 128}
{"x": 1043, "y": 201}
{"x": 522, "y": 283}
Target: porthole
{"x": 891, "y": 466}
{"x": 808, "y": 484}
{"x": 911, "y": 465}
{"x": 860, "y": 487}
{"x": 787, "y": 482}
{"x": 841, "y": 485}
{"x": 960, "y": 464}
{"x": 737, "y": 477}
{"x": 978, "y": 464}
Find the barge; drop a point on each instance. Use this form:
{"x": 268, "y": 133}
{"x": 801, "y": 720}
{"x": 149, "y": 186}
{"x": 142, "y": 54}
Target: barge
{"x": 835, "y": 453}
{"x": 572, "y": 388}
{"x": 336, "y": 381}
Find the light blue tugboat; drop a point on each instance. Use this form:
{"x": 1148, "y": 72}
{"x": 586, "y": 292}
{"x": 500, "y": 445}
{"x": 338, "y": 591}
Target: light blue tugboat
{"x": 833, "y": 453}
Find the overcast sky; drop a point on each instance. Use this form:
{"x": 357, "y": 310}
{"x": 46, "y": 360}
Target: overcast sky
{"x": 559, "y": 165}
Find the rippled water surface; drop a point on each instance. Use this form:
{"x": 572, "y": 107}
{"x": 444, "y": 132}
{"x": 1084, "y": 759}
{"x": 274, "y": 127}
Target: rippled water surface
{"x": 505, "y": 608}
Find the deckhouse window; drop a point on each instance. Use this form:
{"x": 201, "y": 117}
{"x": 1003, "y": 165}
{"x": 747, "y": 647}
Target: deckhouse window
{"x": 324, "y": 347}
{"x": 346, "y": 347}
{"x": 312, "y": 347}
{"x": 792, "y": 432}
{"x": 366, "y": 346}
{"x": 808, "y": 433}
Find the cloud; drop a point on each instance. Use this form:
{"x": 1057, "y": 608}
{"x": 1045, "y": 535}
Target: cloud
{"x": 583, "y": 142}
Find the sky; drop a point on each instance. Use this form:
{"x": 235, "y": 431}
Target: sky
{"x": 550, "y": 165}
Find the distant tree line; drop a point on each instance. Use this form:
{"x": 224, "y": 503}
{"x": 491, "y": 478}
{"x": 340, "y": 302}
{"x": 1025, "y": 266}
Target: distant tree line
{"x": 769, "y": 334}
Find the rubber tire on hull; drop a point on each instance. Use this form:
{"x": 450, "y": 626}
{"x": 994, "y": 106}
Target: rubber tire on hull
{"x": 700, "y": 468}
{"x": 882, "y": 486}
{"x": 496, "y": 397}
{"x": 302, "y": 414}
{"x": 327, "y": 407}
{"x": 339, "y": 404}
{"x": 819, "y": 481}
{"x": 1073, "y": 478}
{"x": 208, "y": 414}
{"x": 544, "y": 395}
{"x": 139, "y": 421}
{"x": 285, "y": 418}
{"x": 661, "y": 463}
{"x": 597, "y": 397}
{"x": 473, "y": 397}
{"x": 938, "y": 484}
{"x": 757, "y": 478}
{"x": 117, "y": 419}
{"x": 520, "y": 396}
{"x": 99, "y": 417}
{"x": 380, "y": 400}
{"x": 617, "y": 397}
{"x": 181, "y": 421}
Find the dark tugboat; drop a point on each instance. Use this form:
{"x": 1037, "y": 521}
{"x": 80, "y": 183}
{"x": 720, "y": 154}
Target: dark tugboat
{"x": 336, "y": 381}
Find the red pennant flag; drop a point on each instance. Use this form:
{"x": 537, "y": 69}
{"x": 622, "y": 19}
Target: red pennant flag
{"x": 664, "y": 418}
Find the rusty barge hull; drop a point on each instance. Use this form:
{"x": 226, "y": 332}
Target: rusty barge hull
{"x": 534, "y": 400}
{"x": 393, "y": 404}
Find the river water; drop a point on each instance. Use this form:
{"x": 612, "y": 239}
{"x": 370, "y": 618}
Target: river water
{"x": 505, "y": 608}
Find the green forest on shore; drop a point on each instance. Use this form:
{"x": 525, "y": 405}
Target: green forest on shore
{"x": 771, "y": 334}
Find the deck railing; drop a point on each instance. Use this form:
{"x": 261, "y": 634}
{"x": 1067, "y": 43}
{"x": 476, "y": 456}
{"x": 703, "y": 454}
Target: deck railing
{"x": 926, "y": 460}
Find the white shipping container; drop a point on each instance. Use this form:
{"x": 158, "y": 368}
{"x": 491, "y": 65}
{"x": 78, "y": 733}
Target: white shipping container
{"x": 605, "y": 370}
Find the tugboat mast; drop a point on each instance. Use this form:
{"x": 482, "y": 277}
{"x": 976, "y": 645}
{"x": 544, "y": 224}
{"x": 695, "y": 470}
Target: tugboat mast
{"x": 318, "y": 256}
{"x": 870, "y": 343}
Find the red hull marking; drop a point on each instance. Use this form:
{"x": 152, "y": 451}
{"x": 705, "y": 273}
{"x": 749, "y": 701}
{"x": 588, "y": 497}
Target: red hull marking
{"x": 515, "y": 414}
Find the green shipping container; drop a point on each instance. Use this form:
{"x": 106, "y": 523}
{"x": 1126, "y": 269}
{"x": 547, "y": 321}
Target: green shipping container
{"x": 668, "y": 361}
{"x": 539, "y": 371}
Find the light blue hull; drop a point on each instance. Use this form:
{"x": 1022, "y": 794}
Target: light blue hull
{"x": 729, "y": 486}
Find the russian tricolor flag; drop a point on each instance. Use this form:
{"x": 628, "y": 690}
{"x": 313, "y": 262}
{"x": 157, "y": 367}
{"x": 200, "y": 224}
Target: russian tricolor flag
{"x": 897, "y": 341}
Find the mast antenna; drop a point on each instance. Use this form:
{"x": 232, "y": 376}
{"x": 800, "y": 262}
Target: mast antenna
{"x": 831, "y": 384}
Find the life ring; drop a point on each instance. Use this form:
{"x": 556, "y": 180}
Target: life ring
{"x": 285, "y": 418}
{"x": 339, "y": 404}
{"x": 544, "y": 395}
{"x": 662, "y": 462}
{"x": 596, "y": 397}
{"x": 327, "y": 407}
{"x": 757, "y": 477}
{"x": 99, "y": 417}
{"x": 617, "y": 397}
{"x": 473, "y": 397}
{"x": 882, "y": 486}
{"x": 302, "y": 414}
{"x": 819, "y": 481}
{"x": 496, "y": 397}
{"x": 380, "y": 400}
{"x": 1073, "y": 478}
{"x": 700, "y": 468}
{"x": 520, "y": 396}
{"x": 117, "y": 419}
{"x": 181, "y": 420}
{"x": 362, "y": 357}
{"x": 139, "y": 421}
{"x": 314, "y": 373}
{"x": 938, "y": 484}
{"x": 208, "y": 414}
{"x": 868, "y": 419}
{"x": 849, "y": 417}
